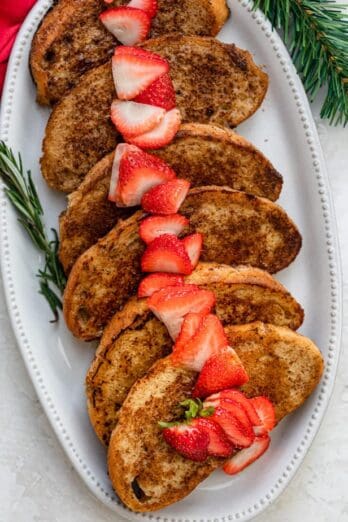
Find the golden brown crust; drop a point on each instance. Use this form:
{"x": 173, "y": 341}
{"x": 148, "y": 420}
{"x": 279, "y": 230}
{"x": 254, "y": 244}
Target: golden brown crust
{"x": 202, "y": 154}
{"x": 134, "y": 339}
{"x": 237, "y": 228}
{"x": 282, "y": 365}
{"x": 79, "y": 132}
{"x": 71, "y": 40}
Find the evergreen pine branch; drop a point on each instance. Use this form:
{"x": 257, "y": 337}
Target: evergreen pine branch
{"x": 22, "y": 193}
{"x": 316, "y": 32}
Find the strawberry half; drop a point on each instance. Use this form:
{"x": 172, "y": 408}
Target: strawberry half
{"x": 265, "y": 411}
{"x": 188, "y": 440}
{"x": 218, "y": 399}
{"x": 172, "y": 304}
{"x": 166, "y": 198}
{"x": 149, "y": 6}
{"x": 237, "y": 432}
{"x": 193, "y": 245}
{"x": 134, "y": 69}
{"x": 160, "y": 135}
{"x": 160, "y": 93}
{"x": 189, "y": 327}
{"x": 222, "y": 370}
{"x": 131, "y": 118}
{"x": 138, "y": 173}
{"x": 154, "y": 282}
{"x": 129, "y": 25}
{"x": 155, "y": 226}
{"x": 209, "y": 339}
{"x": 121, "y": 150}
{"x": 247, "y": 456}
{"x": 219, "y": 445}
{"x": 166, "y": 253}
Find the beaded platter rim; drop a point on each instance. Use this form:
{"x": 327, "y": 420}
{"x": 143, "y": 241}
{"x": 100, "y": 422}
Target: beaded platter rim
{"x": 327, "y": 382}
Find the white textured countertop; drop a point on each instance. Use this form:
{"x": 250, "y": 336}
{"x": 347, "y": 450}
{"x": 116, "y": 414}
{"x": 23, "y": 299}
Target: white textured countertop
{"x": 38, "y": 484}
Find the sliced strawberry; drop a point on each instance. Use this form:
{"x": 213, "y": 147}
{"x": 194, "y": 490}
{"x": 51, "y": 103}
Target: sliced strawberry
{"x": 131, "y": 118}
{"x": 189, "y": 327}
{"x": 247, "y": 456}
{"x": 188, "y": 440}
{"x": 160, "y": 135}
{"x": 155, "y": 226}
{"x": 193, "y": 245}
{"x": 129, "y": 25}
{"x": 237, "y": 396}
{"x": 265, "y": 411}
{"x": 134, "y": 69}
{"x": 222, "y": 370}
{"x": 149, "y": 6}
{"x": 154, "y": 282}
{"x": 138, "y": 173}
{"x": 166, "y": 253}
{"x": 171, "y": 304}
{"x": 209, "y": 339}
{"x": 120, "y": 151}
{"x": 219, "y": 445}
{"x": 166, "y": 198}
{"x": 237, "y": 432}
{"x": 160, "y": 93}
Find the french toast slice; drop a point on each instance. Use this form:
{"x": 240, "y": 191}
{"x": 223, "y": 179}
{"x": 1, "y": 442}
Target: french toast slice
{"x": 202, "y": 154}
{"x": 134, "y": 339}
{"x": 237, "y": 228}
{"x": 214, "y": 83}
{"x": 71, "y": 40}
{"x": 146, "y": 473}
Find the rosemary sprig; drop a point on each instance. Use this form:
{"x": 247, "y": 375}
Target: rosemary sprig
{"x": 316, "y": 32}
{"x": 22, "y": 193}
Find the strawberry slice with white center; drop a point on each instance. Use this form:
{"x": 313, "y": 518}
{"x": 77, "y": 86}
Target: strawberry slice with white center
{"x": 138, "y": 173}
{"x": 237, "y": 431}
{"x": 218, "y": 399}
{"x": 189, "y": 327}
{"x": 170, "y": 305}
{"x": 167, "y": 198}
{"x": 265, "y": 411}
{"x": 247, "y": 456}
{"x": 193, "y": 245}
{"x": 134, "y": 69}
{"x": 154, "y": 282}
{"x": 219, "y": 445}
{"x": 161, "y": 93}
{"x": 160, "y": 135}
{"x": 155, "y": 226}
{"x": 131, "y": 118}
{"x": 128, "y": 24}
{"x": 209, "y": 339}
{"x": 149, "y": 6}
{"x": 166, "y": 253}
{"x": 121, "y": 150}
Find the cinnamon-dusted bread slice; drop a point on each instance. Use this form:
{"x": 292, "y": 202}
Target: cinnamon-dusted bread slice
{"x": 134, "y": 339}
{"x": 214, "y": 82}
{"x": 237, "y": 229}
{"x": 71, "y": 40}
{"x": 202, "y": 154}
{"x": 146, "y": 473}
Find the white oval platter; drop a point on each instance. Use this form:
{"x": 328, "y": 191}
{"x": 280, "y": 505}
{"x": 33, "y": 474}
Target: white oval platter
{"x": 284, "y": 130}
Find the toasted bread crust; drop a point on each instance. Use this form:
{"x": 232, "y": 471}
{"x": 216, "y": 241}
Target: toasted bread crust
{"x": 237, "y": 228}
{"x": 134, "y": 339}
{"x": 71, "y": 40}
{"x": 138, "y": 452}
{"x": 79, "y": 132}
{"x": 202, "y": 154}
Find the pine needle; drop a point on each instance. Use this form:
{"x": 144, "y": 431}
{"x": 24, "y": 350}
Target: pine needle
{"x": 22, "y": 193}
{"x": 316, "y": 33}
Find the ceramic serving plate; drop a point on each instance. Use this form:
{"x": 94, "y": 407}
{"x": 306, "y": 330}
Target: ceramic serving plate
{"x": 284, "y": 130}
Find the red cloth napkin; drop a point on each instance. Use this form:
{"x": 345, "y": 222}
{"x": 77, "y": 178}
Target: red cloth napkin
{"x": 12, "y": 14}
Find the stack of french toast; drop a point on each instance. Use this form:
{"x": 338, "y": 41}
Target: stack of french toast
{"x": 132, "y": 384}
